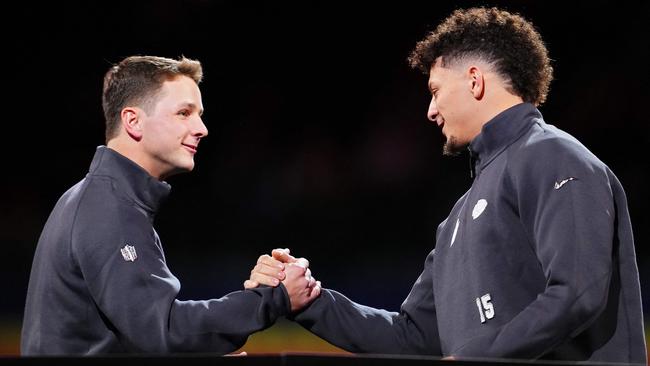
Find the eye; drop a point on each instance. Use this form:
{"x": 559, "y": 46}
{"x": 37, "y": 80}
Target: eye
{"x": 184, "y": 112}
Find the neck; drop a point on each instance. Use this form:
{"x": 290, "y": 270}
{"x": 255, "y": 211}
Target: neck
{"x": 126, "y": 149}
{"x": 497, "y": 104}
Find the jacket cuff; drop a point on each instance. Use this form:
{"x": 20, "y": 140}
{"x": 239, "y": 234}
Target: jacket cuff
{"x": 283, "y": 302}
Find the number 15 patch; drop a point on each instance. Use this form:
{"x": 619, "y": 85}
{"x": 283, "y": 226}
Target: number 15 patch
{"x": 485, "y": 307}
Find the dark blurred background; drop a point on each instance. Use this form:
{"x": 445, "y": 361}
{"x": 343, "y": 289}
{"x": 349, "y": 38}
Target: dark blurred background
{"x": 318, "y": 134}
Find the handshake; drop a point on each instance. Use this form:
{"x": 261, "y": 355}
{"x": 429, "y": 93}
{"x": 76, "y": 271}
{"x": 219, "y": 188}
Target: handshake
{"x": 293, "y": 273}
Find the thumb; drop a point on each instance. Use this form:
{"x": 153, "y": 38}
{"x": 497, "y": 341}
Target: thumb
{"x": 283, "y": 255}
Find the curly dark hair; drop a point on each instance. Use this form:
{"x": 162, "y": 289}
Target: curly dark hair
{"x": 136, "y": 80}
{"x": 507, "y": 41}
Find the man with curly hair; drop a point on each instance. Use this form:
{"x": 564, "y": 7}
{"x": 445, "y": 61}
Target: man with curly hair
{"x": 536, "y": 260}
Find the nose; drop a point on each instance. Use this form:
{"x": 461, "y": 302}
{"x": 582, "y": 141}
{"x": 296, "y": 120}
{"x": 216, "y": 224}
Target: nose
{"x": 433, "y": 110}
{"x": 198, "y": 128}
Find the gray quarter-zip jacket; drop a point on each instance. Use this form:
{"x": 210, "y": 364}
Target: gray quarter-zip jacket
{"x": 100, "y": 284}
{"x": 536, "y": 260}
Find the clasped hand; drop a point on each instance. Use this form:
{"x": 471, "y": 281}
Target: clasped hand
{"x": 294, "y": 273}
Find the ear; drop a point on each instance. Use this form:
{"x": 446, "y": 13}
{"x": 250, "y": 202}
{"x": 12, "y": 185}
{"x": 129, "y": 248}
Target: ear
{"x": 476, "y": 82}
{"x": 132, "y": 122}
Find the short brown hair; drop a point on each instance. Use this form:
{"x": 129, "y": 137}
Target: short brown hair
{"x": 136, "y": 80}
{"x": 507, "y": 41}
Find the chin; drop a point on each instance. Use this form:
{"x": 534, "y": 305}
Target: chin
{"x": 184, "y": 163}
{"x": 189, "y": 166}
{"x": 185, "y": 168}
{"x": 181, "y": 167}
{"x": 453, "y": 147}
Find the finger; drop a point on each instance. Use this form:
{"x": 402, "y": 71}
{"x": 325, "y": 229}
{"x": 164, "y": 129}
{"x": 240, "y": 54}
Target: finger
{"x": 281, "y": 251}
{"x": 264, "y": 280}
{"x": 248, "y": 284}
{"x": 315, "y": 292}
{"x": 283, "y": 255}
{"x": 303, "y": 262}
{"x": 262, "y": 257}
{"x": 270, "y": 261}
{"x": 308, "y": 273}
{"x": 312, "y": 282}
{"x": 270, "y": 271}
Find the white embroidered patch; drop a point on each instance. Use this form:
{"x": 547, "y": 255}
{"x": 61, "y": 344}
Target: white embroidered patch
{"x": 453, "y": 236}
{"x": 559, "y": 184}
{"x": 128, "y": 253}
{"x": 479, "y": 208}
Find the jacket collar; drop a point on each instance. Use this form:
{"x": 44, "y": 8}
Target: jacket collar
{"x": 145, "y": 190}
{"x": 498, "y": 133}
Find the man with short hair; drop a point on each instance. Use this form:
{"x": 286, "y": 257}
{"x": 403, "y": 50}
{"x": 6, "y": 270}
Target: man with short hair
{"x": 99, "y": 282}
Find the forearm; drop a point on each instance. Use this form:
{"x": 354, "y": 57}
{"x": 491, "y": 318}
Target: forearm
{"x": 223, "y": 325}
{"x": 359, "y": 328}
{"x": 141, "y": 305}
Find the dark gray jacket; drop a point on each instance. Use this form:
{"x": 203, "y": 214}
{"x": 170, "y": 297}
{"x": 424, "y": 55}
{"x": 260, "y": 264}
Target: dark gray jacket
{"x": 536, "y": 260}
{"x": 99, "y": 282}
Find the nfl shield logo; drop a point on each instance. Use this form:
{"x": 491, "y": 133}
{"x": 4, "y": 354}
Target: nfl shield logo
{"x": 128, "y": 253}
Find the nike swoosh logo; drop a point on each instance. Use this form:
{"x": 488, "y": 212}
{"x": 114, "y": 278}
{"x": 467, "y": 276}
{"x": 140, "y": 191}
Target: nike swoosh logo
{"x": 559, "y": 184}
{"x": 453, "y": 236}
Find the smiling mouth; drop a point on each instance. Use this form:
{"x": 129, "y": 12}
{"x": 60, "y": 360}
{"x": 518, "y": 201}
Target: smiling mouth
{"x": 191, "y": 148}
{"x": 441, "y": 125}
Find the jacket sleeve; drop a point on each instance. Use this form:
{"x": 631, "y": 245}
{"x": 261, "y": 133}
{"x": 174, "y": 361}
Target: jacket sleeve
{"x": 359, "y": 328}
{"x": 137, "y": 297}
{"x": 566, "y": 206}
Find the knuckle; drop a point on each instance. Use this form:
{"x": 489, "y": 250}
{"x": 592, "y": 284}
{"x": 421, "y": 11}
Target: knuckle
{"x": 262, "y": 258}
